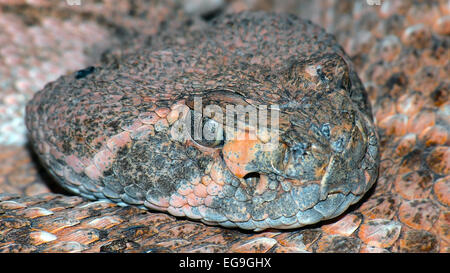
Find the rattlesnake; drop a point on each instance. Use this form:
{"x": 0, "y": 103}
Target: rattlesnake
{"x": 397, "y": 216}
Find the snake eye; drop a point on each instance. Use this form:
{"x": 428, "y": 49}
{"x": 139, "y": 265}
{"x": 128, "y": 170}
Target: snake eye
{"x": 207, "y": 132}
{"x": 213, "y": 134}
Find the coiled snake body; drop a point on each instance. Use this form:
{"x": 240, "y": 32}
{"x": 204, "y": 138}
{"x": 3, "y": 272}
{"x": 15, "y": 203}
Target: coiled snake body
{"x": 113, "y": 132}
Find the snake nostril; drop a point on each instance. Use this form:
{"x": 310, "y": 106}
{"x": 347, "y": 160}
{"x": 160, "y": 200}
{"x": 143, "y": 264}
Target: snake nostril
{"x": 252, "y": 178}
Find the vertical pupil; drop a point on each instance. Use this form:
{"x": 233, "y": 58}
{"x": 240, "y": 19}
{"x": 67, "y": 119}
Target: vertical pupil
{"x": 212, "y": 131}
{"x": 206, "y": 131}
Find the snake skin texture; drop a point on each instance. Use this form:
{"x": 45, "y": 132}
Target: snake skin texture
{"x": 406, "y": 76}
{"x": 118, "y": 141}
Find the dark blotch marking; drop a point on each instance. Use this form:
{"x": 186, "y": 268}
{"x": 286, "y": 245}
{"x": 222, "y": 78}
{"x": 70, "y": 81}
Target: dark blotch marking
{"x": 84, "y": 72}
{"x": 157, "y": 166}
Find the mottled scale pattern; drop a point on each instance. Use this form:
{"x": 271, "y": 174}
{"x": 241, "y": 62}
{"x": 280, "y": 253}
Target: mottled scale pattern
{"x": 105, "y": 132}
{"x": 400, "y": 51}
{"x": 42, "y": 40}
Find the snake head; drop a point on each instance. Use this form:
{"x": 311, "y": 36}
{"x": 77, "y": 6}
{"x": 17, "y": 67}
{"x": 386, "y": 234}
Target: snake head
{"x": 316, "y": 146}
{"x": 258, "y": 121}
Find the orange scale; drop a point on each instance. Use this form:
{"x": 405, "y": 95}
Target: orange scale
{"x": 52, "y": 226}
{"x": 118, "y": 141}
{"x": 371, "y": 89}
{"x": 209, "y": 200}
{"x": 444, "y": 7}
{"x": 133, "y": 126}
{"x": 425, "y": 80}
{"x": 75, "y": 163}
{"x": 380, "y": 233}
{"x": 41, "y": 237}
{"x": 93, "y": 172}
{"x": 344, "y": 226}
{"x": 154, "y": 207}
{"x": 383, "y": 207}
{"x": 103, "y": 160}
{"x": 98, "y": 141}
{"x": 288, "y": 249}
{"x": 439, "y": 160}
{"x": 331, "y": 243}
{"x": 83, "y": 236}
{"x": 410, "y": 104}
{"x": 418, "y": 214}
{"x": 172, "y": 244}
{"x": 395, "y": 124}
{"x": 406, "y": 144}
{"x": 390, "y": 48}
{"x": 162, "y": 112}
{"x": 237, "y": 154}
{"x": 389, "y": 8}
{"x": 435, "y": 57}
{"x": 184, "y": 189}
{"x": 174, "y": 115}
{"x": 417, "y": 36}
{"x": 421, "y": 121}
{"x": 254, "y": 245}
{"x": 177, "y": 200}
{"x": 435, "y": 135}
{"x": 176, "y": 211}
{"x": 12, "y": 205}
{"x": 200, "y": 191}
{"x": 194, "y": 200}
{"x": 213, "y": 189}
{"x": 413, "y": 185}
{"x": 178, "y": 103}
{"x": 442, "y": 25}
{"x": 388, "y": 165}
{"x": 286, "y": 239}
{"x": 411, "y": 162}
{"x": 148, "y": 117}
{"x": 442, "y": 190}
{"x": 416, "y": 240}
{"x": 206, "y": 180}
{"x": 216, "y": 239}
{"x": 441, "y": 227}
{"x": 425, "y": 15}
{"x": 143, "y": 132}
{"x": 163, "y": 201}
{"x": 216, "y": 174}
{"x": 409, "y": 64}
{"x": 187, "y": 209}
{"x": 36, "y": 212}
{"x": 104, "y": 222}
